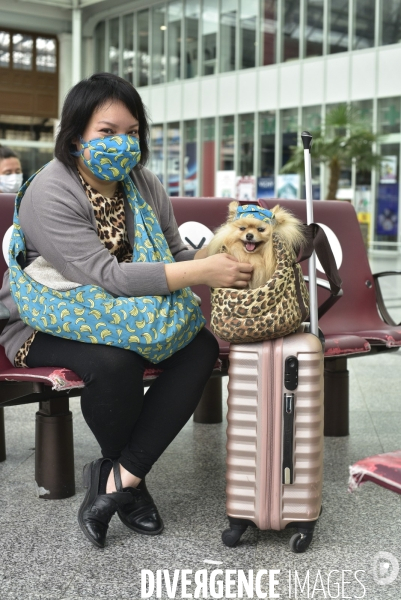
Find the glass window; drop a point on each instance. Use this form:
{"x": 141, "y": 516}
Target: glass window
{"x": 363, "y": 115}
{"x": 4, "y": 49}
{"x": 22, "y": 51}
{"x": 311, "y": 118}
{"x": 314, "y": 28}
{"x": 364, "y": 24}
{"x": 143, "y": 47}
{"x": 389, "y": 115}
{"x": 387, "y": 208}
{"x": 100, "y": 37}
{"x": 228, "y": 28}
{"x": 114, "y": 46}
{"x": 363, "y": 110}
{"x": 156, "y": 151}
{"x": 128, "y": 48}
{"x": 248, "y": 42}
{"x": 390, "y": 22}
{"x": 227, "y": 144}
{"x": 311, "y": 121}
{"x": 190, "y": 159}
{"x": 191, "y": 38}
{"x": 209, "y": 36}
{"x": 158, "y": 35}
{"x": 345, "y": 177}
{"x": 173, "y": 159}
{"x": 338, "y": 26}
{"x": 246, "y": 144}
{"x": 267, "y": 128}
{"x": 289, "y": 129}
{"x": 174, "y": 40}
{"x": 291, "y": 11}
{"x": 46, "y": 54}
{"x": 208, "y": 156}
{"x": 269, "y": 28}
{"x": 330, "y": 130}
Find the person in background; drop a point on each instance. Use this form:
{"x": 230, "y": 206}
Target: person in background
{"x": 10, "y": 171}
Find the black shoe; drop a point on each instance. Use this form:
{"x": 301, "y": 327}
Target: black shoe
{"x": 97, "y": 509}
{"x": 140, "y": 514}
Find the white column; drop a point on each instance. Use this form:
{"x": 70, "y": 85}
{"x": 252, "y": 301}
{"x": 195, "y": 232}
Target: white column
{"x": 76, "y": 43}
{"x": 88, "y": 44}
{"x": 65, "y": 66}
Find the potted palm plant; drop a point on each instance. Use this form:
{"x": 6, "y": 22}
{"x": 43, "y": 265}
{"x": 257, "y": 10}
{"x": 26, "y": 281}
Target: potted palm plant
{"x": 345, "y": 139}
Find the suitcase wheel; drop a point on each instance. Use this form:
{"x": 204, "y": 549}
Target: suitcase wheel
{"x": 300, "y": 542}
{"x": 232, "y": 536}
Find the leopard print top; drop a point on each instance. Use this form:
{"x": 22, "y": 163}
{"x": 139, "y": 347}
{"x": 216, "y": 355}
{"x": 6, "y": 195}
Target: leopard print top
{"x": 111, "y": 229}
{"x": 110, "y": 217}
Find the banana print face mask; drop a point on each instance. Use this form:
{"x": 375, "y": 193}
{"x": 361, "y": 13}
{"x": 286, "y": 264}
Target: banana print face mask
{"x": 111, "y": 158}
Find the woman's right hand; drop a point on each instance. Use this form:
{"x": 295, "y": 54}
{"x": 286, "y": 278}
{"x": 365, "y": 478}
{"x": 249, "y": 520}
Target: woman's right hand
{"x": 223, "y": 270}
{"x": 218, "y": 270}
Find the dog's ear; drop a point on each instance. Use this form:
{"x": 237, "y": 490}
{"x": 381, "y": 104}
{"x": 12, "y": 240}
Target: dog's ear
{"x": 281, "y": 215}
{"x": 288, "y": 227}
{"x": 232, "y": 209}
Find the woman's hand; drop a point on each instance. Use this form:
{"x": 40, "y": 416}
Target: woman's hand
{"x": 223, "y": 270}
{"x": 219, "y": 270}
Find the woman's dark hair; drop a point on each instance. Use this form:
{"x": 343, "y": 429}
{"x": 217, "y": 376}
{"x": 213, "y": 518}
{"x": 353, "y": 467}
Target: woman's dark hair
{"x": 88, "y": 95}
{"x": 6, "y": 152}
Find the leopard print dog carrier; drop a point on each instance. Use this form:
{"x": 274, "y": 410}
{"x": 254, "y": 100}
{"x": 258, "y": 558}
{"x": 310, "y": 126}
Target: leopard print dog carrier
{"x": 271, "y": 311}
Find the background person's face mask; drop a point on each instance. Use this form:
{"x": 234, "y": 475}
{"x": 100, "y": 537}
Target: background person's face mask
{"x": 111, "y": 158}
{"x": 10, "y": 184}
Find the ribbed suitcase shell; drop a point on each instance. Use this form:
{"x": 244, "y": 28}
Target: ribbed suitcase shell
{"x": 255, "y": 490}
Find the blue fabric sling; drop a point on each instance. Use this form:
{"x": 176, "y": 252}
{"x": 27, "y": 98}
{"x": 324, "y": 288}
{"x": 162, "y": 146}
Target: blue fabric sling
{"x": 153, "y": 326}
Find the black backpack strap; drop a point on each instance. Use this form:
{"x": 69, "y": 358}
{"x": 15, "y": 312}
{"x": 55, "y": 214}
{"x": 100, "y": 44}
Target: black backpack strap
{"x": 316, "y": 239}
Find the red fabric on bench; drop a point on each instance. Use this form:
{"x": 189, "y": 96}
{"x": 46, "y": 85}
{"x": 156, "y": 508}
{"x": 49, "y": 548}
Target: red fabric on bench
{"x": 345, "y": 345}
{"x": 58, "y": 377}
{"x": 382, "y": 469}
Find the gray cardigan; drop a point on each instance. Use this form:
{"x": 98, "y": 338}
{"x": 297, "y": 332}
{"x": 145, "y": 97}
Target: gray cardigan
{"x": 59, "y": 224}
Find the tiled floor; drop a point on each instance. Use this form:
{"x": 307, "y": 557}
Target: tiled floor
{"x": 44, "y": 555}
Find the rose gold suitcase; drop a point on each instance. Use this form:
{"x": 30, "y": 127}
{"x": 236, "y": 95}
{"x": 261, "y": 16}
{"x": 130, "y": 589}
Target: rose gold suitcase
{"x": 275, "y": 428}
{"x": 275, "y": 437}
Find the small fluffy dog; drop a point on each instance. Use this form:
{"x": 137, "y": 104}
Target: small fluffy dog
{"x": 248, "y": 235}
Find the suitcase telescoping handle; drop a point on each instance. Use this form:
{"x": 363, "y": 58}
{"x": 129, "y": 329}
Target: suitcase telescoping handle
{"x": 307, "y": 142}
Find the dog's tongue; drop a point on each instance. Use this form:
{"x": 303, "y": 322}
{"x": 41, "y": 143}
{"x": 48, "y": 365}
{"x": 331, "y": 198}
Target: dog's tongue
{"x": 250, "y": 246}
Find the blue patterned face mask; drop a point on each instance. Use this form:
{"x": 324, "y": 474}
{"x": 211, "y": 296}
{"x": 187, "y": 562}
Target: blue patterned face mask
{"x": 111, "y": 158}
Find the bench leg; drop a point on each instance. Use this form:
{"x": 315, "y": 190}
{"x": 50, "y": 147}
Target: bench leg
{"x": 2, "y": 436}
{"x": 210, "y": 407}
{"x": 336, "y": 397}
{"x": 54, "y": 456}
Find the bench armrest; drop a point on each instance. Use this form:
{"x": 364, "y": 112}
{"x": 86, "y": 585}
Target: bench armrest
{"x": 4, "y": 316}
{"x": 379, "y": 297}
{"x": 332, "y": 299}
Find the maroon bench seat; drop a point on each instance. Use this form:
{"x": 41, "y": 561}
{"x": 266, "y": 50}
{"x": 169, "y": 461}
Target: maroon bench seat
{"x": 353, "y": 325}
{"x": 58, "y": 378}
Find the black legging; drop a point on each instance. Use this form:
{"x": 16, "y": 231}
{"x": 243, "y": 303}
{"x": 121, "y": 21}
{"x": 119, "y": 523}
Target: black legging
{"x": 127, "y": 424}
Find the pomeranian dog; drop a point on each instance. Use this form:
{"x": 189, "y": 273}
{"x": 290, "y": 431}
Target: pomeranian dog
{"x": 248, "y": 236}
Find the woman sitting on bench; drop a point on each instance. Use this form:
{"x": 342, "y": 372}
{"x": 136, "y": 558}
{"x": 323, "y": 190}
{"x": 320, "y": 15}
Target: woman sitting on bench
{"x": 86, "y": 215}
